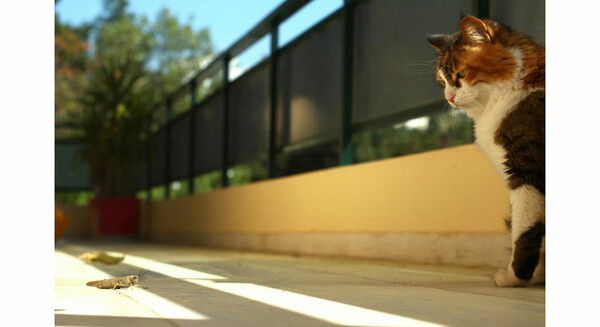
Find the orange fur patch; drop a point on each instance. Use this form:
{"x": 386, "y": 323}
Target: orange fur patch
{"x": 491, "y": 61}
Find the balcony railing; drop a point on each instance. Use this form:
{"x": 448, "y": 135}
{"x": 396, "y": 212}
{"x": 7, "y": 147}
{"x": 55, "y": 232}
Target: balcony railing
{"x": 357, "y": 86}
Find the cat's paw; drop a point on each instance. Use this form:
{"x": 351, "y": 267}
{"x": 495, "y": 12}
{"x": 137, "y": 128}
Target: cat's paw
{"x": 539, "y": 275}
{"x": 535, "y": 282}
{"x": 504, "y": 278}
{"x": 538, "y": 279}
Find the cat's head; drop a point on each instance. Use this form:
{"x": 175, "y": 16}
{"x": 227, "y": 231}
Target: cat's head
{"x": 471, "y": 62}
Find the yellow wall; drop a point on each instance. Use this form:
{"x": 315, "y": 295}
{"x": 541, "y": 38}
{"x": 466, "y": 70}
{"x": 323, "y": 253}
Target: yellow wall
{"x": 452, "y": 190}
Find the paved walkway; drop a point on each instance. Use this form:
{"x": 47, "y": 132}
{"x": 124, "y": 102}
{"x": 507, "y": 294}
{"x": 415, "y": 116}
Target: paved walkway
{"x": 189, "y": 286}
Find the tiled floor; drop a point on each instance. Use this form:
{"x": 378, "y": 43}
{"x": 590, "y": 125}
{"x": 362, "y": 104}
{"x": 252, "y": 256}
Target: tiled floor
{"x": 188, "y": 286}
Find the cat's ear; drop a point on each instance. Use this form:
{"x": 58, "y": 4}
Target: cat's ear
{"x": 440, "y": 42}
{"x": 474, "y": 30}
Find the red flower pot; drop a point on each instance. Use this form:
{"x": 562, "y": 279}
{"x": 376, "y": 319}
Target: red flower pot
{"x": 117, "y": 215}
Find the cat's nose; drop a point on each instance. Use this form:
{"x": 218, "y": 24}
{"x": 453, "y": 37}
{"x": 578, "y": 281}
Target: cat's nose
{"x": 450, "y": 98}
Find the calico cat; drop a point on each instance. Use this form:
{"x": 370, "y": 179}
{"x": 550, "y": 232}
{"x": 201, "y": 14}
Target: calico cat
{"x": 497, "y": 75}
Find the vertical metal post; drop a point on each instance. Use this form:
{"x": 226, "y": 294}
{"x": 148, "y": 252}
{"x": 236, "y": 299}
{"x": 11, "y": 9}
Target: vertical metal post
{"x": 483, "y": 11}
{"x": 149, "y": 160}
{"x": 192, "y": 136}
{"x": 347, "y": 88}
{"x": 483, "y": 8}
{"x": 168, "y": 149}
{"x": 225, "y": 127}
{"x": 273, "y": 99}
{"x": 286, "y": 100}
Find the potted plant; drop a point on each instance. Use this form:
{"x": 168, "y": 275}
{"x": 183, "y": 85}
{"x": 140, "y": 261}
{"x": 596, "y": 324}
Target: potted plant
{"x": 111, "y": 123}
{"x": 130, "y": 65}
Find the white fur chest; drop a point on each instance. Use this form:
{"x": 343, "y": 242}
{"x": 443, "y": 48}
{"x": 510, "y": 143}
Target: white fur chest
{"x": 487, "y": 123}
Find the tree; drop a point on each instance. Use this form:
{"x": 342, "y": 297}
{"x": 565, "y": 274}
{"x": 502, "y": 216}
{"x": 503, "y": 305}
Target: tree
{"x": 115, "y": 10}
{"x": 179, "y": 51}
{"x": 132, "y": 66}
{"x": 71, "y": 64}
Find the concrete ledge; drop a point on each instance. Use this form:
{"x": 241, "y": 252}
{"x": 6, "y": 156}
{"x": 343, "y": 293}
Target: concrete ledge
{"x": 462, "y": 249}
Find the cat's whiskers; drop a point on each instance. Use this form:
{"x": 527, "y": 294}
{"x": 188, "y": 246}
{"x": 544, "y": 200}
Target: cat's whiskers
{"x": 427, "y": 63}
{"x": 479, "y": 103}
{"x": 420, "y": 64}
{"x": 420, "y": 73}
{"x": 412, "y": 68}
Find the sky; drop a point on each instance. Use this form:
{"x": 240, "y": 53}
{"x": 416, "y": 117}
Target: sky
{"x": 227, "y": 20}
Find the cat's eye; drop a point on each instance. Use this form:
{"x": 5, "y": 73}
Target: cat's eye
{"x": 462, "y": 73}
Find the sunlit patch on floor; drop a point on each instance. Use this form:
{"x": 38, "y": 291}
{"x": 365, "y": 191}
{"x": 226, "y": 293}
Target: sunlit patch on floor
{"x": 73, "y": 297}
{"x": 330, "y": 311}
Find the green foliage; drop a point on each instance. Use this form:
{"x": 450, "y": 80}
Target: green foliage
{"x": 179, "y": 50}
{"x": 79, "y": 198}
{"x": 246, "y": 173}
{"x": 202, "y": 184}
{"x": 141, "y": 195}
{"x": 207, "y": 182}
{"x": 178, "y": 189}
{"x": 440, "y": 130}
{"x": 71, "y": 62}
{"x": 115, "y": 10}
{"x": 158, "y": 193}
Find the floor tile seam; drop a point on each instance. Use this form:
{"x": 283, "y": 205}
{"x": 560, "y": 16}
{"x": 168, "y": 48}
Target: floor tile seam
{"x": 421, "y": 286}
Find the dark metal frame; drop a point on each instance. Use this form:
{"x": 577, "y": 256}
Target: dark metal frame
{"x": 483, "y": 8}
{"x": 348, "y": 87}
{"x": 225, "y": 127}
{"x": 191, "y": 185}
{"x": 168, "y": 148}
{"x": 271, "y": 163}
